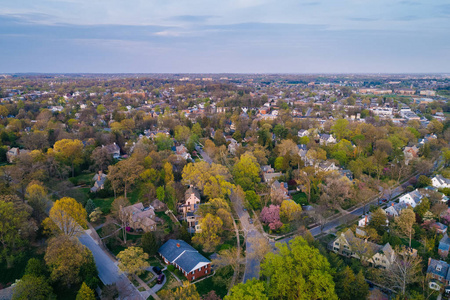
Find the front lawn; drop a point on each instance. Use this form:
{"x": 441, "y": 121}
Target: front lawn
{"x": 146, "y": 276}
{"x": 300, "y": 198}
{"x": 219, "y": 282}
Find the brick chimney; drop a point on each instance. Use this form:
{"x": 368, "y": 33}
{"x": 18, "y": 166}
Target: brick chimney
{"x": 178, "y": 245}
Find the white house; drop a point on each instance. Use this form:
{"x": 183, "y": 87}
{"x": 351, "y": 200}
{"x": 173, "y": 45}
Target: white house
{"x": 394, "y": 209}
{"x": 440, "y": 182}
{"x": 412, "y": 199}
{"x": 364, "y": 221}
{"x": 302, "y": 133}
{"x": 326, "y": 139}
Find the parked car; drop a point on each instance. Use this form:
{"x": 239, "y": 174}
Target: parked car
{"x": 157, "y": 270}
{"x": 160, "y": 279}
{"x": 384, "y": 200}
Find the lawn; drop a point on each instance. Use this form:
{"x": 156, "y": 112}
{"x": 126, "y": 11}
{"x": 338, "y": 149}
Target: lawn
{"x": 83, "y": 179}
{"x": 219, "y": 282}
{"x": 155, "y": 262}
{"x": 171, "y": 282}
{"x": 146, "y": 276}
{"x": 300, "y": 198}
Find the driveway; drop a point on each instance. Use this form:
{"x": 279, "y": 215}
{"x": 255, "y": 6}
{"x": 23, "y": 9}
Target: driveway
{"x": 108, "y": 272}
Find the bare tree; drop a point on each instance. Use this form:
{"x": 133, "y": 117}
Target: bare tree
{"x": 405, "y": 269}
{"x": 260, "y": 247}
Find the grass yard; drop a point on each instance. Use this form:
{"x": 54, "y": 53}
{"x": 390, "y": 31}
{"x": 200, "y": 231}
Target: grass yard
{"x": 83, "y": 179}
{"x": 218, "y": 282}
{"x": 171, "y": 282}
{"x": 155, "y": 262}
{"x": 300, "y": 198}
{"x": 146, "y": 276}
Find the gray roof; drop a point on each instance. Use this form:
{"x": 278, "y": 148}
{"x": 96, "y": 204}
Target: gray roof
{"x": 183, "y": 254}
{"x": 444, "y": 243}
{"x": 191, "y": 190}
{"x": 443, "y": 271}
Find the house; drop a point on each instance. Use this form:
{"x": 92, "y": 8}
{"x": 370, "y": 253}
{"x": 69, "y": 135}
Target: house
{"x": 191, "y": 197}
{"x": 444, "y": 246}
{"x": 13, "y": 153}
{"x": 394, "y": 209}
{"x": 439, "y": 227}
{"x": 269, "y": 173}
{"x": 438, "y": 274}
{"x": 99, "y": 182}
{"x": 302, "y": 133}
{"x": 140, "y": 217}
{"x": 232, "y": 146}
{"x": 410, "y": 153}
{"x": 325, "y": 139}
{"x": 193, "y": 220}
{"x": 364, "y": 221}
{"x": 347, "y": 244}
{"x": 412, "y": 199}
{"x": 327, "y": 166}
{"x": 182, "y": 151}
{"x": 158, "y": 205}
{"x": 440, "y": 182}
{"x": 346, "y": 173}
{"x": 184, "y": 257}
{"x": 113, "y": 149}
{"x": 279, "y": 190}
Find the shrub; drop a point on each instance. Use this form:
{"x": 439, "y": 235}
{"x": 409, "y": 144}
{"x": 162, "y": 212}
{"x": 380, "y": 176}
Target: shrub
{"x": 171, "y": 268}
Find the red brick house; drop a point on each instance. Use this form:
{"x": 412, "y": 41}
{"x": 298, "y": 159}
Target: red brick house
{"x": 184, "y": 257}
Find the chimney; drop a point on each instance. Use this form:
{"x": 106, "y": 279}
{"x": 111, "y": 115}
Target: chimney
{"x": 178, "y": 245}
{"x": 392, "y": 204}
{"x": 365, "y": 222}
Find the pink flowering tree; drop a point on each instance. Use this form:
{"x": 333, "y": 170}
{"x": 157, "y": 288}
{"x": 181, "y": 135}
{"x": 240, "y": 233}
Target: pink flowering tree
{"x": 271, "y": 215}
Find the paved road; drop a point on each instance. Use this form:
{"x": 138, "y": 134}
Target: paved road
{"x": 108, "y": 272}
{"x": 204, "y": 154}
{"x": 358, "y": 212}
{"x": 252, "y": 265}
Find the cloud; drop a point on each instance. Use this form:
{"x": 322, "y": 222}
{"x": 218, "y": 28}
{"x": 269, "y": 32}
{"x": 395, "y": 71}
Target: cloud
{"x": 190, "y": 18}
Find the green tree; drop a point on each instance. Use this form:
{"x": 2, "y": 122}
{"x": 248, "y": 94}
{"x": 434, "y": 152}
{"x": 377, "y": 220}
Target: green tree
{"x": 290, "y": 211}
{"x": 67, "y": 216}
{"x": 124, "y": 174}
{"x": 246, "y": 171}
{"x": 149, "y": 243}
{"x": 182, "y": 133}
{"x": 403, "y": 224}
{"x": 161, "y": 194}
{"x": 378, "y": 220}
{"x": 35, "y": 267}
{"x": 32, "y": 287}
{"x": 85, "y": 293}
{"x": 90, "y": 206}
{"x": 65, "y": 257}
{"x": 163, "y": 142}
{"x": 423, "y": 207}
{"x": 209, "y": 236}
{"x": 12, "y": 220}
{"x": 133, "y": 260}
{"x": 69, "y": 152}
{"x": 186, "y": 292}
{"x": 340, "y": 128}
{"x": 423, "y": 181}
{"x": 298, "y": 271}
{"x": 252, "y": 289}
{"x": 349, "y": 286}
{"x": 253, "y": 199}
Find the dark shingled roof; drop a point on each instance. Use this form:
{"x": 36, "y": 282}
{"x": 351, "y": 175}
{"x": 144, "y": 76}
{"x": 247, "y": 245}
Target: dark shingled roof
{"x": 442, "y": 271}
{"x": 181, "y": 253}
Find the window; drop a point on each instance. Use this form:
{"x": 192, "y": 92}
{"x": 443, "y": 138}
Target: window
{"x": 193, "y": 277}
{"x": 337, "y": 244}
{"x": 199, "y": 269}
{"x": 206, "y": 271}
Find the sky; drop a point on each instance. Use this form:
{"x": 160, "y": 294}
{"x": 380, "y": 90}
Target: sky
{"x": 225, "y": 36}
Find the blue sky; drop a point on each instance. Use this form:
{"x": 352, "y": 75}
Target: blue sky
{"x": 230, "y": 36}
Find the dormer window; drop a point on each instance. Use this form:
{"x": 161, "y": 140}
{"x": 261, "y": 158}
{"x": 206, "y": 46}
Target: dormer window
{"x": 438, "y": 268}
